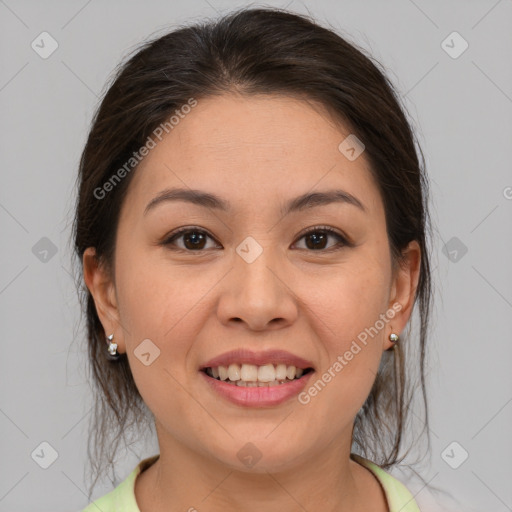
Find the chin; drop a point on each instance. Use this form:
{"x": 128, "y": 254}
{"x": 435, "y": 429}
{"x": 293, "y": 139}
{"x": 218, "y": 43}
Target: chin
{"x": 260, "y": 456}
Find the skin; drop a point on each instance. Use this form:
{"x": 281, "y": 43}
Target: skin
{"x": 256, "y": 152}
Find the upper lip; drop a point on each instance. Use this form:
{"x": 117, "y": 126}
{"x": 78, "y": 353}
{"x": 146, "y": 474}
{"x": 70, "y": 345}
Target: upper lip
{"x": 259, "y": 358}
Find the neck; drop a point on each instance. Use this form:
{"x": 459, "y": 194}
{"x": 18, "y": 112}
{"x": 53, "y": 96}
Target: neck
{"x": 328, "y": 481}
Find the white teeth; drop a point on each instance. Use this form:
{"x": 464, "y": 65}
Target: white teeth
{"x": 266, "y": 373}
{"x": 251, "y": 375}
{"x": 234, "y": 371}
{"x": 281, "y": 372}
{"x": 223, "y": 373}
{"x": 249, "y": 372}
{"x": 290, "y": 372}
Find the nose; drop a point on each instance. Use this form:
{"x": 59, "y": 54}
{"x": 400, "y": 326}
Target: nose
{"x": 257, "y": 293}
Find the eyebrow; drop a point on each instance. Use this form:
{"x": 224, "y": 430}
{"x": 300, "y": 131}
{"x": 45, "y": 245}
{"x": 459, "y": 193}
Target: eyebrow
{"x": 300, "y": 203}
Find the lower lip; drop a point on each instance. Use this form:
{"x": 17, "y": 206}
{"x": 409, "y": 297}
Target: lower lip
{"x": 265, "y": 396}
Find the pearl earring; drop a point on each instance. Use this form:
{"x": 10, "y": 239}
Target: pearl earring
{"x": 393, "y": 337}
{"x": 112, "y": 348}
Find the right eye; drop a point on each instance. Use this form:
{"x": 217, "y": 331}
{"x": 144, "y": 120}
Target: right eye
{"x": 193, "y": 239}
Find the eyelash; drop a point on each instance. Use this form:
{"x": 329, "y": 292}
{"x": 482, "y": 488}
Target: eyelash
{"x": 169, "y": 240}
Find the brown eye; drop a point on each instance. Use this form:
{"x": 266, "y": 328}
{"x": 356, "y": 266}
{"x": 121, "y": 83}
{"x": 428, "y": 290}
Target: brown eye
{"x": 316, "y": 239}
{"x": 193, "y": 239}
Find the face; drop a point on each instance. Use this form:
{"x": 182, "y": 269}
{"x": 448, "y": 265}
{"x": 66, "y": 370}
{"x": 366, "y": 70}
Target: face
{"x": 311, "y": 287}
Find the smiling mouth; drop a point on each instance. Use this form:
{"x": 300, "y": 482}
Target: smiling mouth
{"x": 250, "y": 375}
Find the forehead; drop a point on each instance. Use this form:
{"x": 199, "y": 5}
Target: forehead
{"x": 253, "y": 149}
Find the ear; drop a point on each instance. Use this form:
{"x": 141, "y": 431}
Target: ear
{"x": 101, "y": 285}
{"x": 403, "y": 290}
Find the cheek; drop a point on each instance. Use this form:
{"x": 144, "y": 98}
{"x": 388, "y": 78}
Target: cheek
{"x": 153, "y": 299}
{"x": 157, "y": 304}
{"x": 348, "y": 317}
{"x": 351, "y": 333}
{"x": 353, "y": 298}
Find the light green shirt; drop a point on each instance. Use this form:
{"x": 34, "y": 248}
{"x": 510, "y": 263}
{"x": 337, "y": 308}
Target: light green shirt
{"x": 122, "y": 498}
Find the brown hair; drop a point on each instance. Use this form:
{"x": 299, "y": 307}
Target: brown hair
{"x": 254, "y": 51}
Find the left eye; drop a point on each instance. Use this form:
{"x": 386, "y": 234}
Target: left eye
{"x": 194, "y": 239}
{"x": 319, "y": 235}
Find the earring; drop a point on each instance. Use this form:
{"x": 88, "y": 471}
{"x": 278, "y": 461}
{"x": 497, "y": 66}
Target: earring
{"x": 112, "y": 348}
{"x": 393, "y": 337}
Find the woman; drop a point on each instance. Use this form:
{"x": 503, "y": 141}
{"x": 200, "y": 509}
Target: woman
{"x": 252, "y": 224}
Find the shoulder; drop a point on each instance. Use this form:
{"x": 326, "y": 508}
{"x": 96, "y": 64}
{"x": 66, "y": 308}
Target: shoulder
{"x": 398, "y": 496}
{"x": 122, "y": 498}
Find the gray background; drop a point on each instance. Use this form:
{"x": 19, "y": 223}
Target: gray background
{"x": 461, "y": 108}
